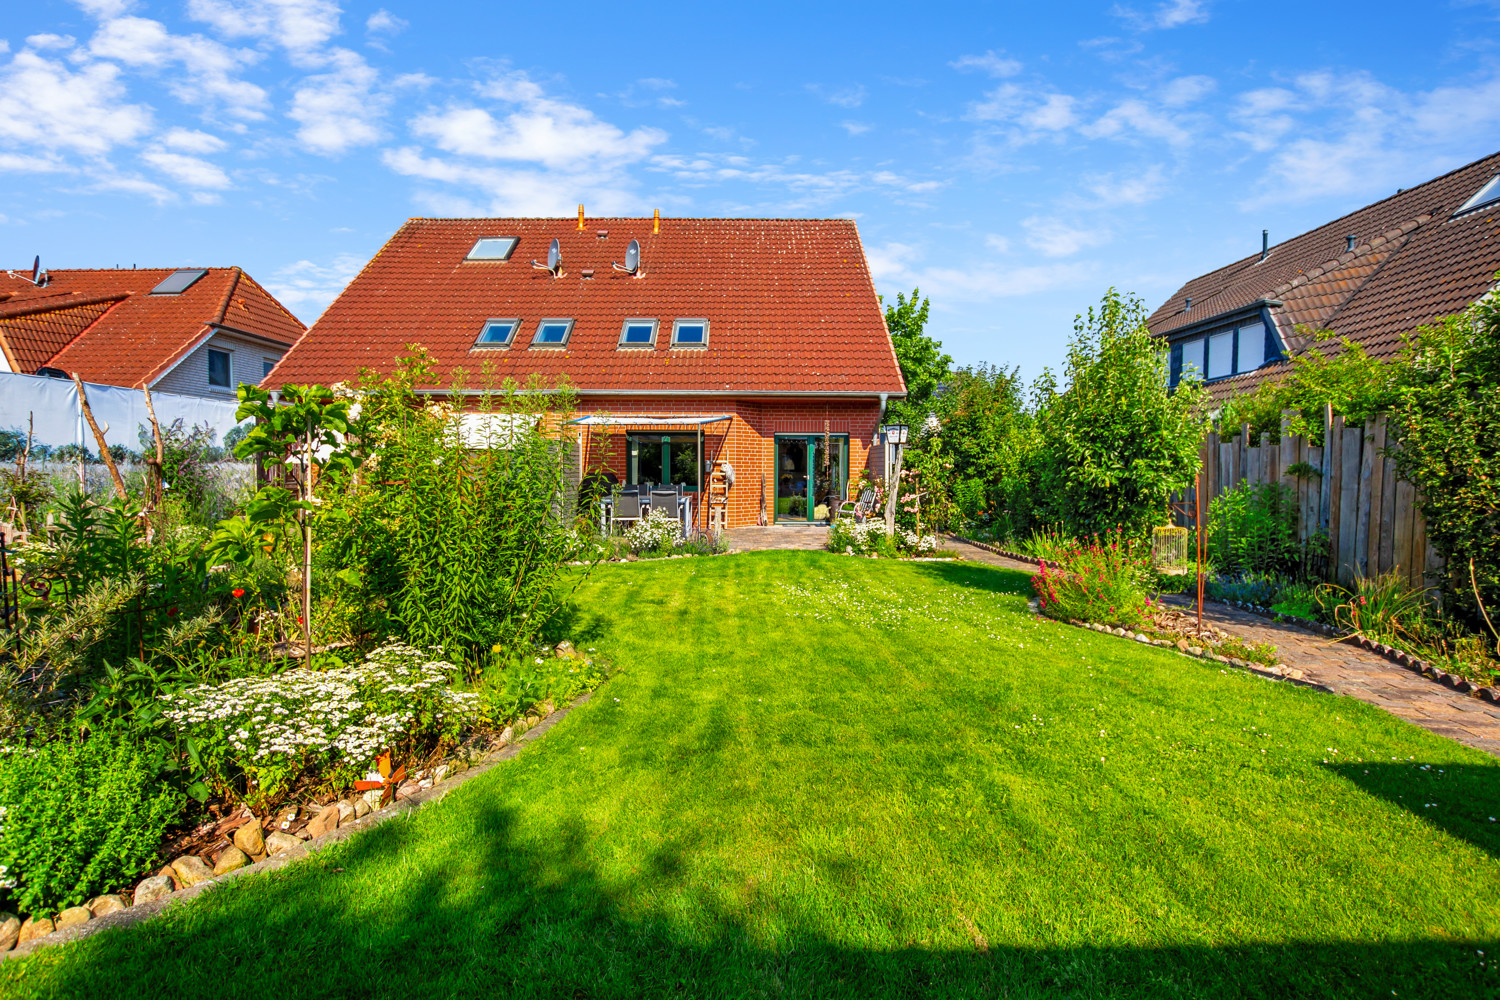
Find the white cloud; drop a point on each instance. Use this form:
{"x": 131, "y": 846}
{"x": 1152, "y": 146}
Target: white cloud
{"x": 41, "y": 43}
{"x": 1171, "y": 14}
{"x": 1052, "y": 115}
{"x": 383, "y": 22}
{"x": 340, "y": 109}
{"x": 900, "y": 264}
{"x": 1055, "y": 238}
{"x": 1186, "y": 90}
{"x": 997, "y": 242}
{"x": 50, "y": 108}
{"x": 845, "y": 97}
{"x": 807, "y": 188}
{"x": 1113, "y": 190}
{"x": 855, "y": 128}
{"x": 307, "y": 288}
{"x": 301, "y": 27}
{"x": 990, "y": 62}
{"x": 1136, "y": 116}
{"x": 192, "y": 141}
{"x": 104, "y": 8}
{"x": 209, "y": 67}
{"x": 189, "y": 170}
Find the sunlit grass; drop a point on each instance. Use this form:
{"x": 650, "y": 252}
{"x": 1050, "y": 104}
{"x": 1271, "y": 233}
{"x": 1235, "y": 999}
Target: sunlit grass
{"x": 818, "y": 775}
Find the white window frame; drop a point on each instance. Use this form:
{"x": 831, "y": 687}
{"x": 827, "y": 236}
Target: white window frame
{"x": 208, "y": 364}
{"x": 639, "y": 346}
{"x": 678, "y": 324}
{"x": 497, "y": 345}
{"x": 515, "y": 241}
{"x": 558, "y": 345}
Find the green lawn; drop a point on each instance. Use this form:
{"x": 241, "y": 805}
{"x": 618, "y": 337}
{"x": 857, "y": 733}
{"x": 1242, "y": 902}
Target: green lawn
{"x": 823, "y": 776}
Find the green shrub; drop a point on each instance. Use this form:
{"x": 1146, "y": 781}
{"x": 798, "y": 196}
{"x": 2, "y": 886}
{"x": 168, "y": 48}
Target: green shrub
{"x": 1298, "y": 600}
{"x": 1254, "y": 529}
{"x": 1247, "y": 588}
{"x": 81, "y": 817}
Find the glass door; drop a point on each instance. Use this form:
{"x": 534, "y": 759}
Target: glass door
{"x": 793, "y": 456}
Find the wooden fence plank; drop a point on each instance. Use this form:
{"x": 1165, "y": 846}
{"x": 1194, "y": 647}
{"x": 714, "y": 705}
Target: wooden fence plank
{"x": 1362, "y": 499}
{"x": 1405, "y": 494}
{"x": 1350, "y": 439}
{"x": 1418, "y": 543}
{"x": 1333, "y": 457}
{"x": 1374, "y": 487}
{"x": 1388, "y": 511}
{"x": 1325, "y": 483}
{"x": 1435, "y": 566}
{"x": 1314, "y": 492}
{"x": 1288, "y": 452}
{"x": 1226, "y": 465}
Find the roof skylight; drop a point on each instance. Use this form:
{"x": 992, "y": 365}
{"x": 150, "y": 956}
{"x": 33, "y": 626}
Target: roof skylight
{"x": 1487, "y": 195}
{"x": 179, "y": 281}
{"x": 638, "y": 333}
{"x": 690, "y": 333}
{"x": 497, "y": 333}
{"x": 552, "y": 333}
{"x": 493, "y": 248}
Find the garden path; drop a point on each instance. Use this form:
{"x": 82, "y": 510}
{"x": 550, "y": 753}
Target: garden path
{"x": 1342, "y": 668}
{"x": 778, "y": 536}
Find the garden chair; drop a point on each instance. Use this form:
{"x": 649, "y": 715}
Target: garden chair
{"x": 667, "y": 502}
{"x": 857, "y": 509}
{"x": 627, "y": 508}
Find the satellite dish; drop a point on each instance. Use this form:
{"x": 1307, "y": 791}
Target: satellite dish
{"x": 554, "y": 260}
{"x": 36, "y": 269}
{"x": 632, "y": 258}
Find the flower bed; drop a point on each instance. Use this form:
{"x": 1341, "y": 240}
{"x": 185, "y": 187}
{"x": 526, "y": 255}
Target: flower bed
{"x": 869, "y": 538}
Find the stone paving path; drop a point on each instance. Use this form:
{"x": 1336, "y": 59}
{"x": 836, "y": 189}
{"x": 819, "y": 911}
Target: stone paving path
{"x": 1342, "y": 668}
{"x": 778, "y": 536}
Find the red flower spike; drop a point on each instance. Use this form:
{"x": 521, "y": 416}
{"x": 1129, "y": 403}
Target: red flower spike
{"x": 238, "y": 592}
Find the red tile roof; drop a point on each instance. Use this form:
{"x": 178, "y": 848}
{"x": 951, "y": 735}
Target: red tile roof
{"x": 790, "y": 304}
{"x": 1412, "y": 263}
{"x": 104, "y": 324}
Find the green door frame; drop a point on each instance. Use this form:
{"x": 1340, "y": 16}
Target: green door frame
{"x": 812, "y": 479}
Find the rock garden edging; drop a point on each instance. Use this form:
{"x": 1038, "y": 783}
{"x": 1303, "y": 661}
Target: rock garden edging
{"x": 129, "y": 915}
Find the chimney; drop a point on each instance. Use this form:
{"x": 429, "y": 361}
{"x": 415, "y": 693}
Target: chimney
{"x": 1187, "y": 304}
{"x": 1348, "y": 244}
{"x": 656, "y": 223}
{"x": 1265, "y": 243}
{"x": 580, "y": 218}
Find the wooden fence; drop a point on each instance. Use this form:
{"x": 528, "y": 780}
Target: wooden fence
{"x": 1346, "y": 489}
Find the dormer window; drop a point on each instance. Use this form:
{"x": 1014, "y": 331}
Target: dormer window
{"x": 638, "y": 333}
{"x": 497, "y": 333}
{"x": 1483, "y": 198}
{"x": 1222, "y": 353}
{"x": 493, "y": 248}
{"x": 552, "y": 333}
{"x": 690, "y": 333}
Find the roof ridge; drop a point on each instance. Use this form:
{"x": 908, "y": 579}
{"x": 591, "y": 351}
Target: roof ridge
{"x": 273, "y": 299}
{"x": 30, "y": 307}
{"x": 234, "y": 283}
{"x": 623, "y": 218}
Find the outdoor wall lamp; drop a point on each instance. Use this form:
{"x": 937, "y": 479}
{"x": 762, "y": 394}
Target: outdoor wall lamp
{"x": 895, "y": 433}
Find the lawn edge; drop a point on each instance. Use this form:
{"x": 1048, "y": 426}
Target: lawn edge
{"x": 137, "y": 914}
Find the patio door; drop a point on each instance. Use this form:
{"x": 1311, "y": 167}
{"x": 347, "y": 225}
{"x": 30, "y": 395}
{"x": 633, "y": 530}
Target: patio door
{"x": 809, "y": 470}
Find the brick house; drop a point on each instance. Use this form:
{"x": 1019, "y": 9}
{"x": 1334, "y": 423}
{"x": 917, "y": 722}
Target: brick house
{"x": 1373, "y": 275}
{"x": 195, "y": 331}
{"x": 758, "y": 344}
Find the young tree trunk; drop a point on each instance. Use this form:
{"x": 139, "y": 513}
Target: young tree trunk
{"x": 893, "y": 493}
{"x": 307, "y": 492}
{"x": 109, "y": 462}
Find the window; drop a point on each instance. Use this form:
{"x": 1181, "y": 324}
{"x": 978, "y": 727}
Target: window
{"x": 552, "y": 333}
{"x": 218, "y": 368}
{"x": 638, "y": 333}
{"x": 690, "y": 333}
{"x": 1192, "y": 358}
{"x": 663, "y": 458}
{"x": 493, "y": 248}
{"x": 266, "y": 364}
{"x": 1487, "y": 195}
{"x": 1251, "y": 350}
{"x": 1221, "y": 354}
{"x": 179, "y": 281}
{"x": 497, "y": 333}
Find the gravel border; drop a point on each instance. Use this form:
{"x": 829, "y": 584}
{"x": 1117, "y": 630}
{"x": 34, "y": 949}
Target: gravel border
{"x": 145, "y": 911}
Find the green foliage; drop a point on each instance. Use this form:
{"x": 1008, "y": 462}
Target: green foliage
{"x": 924, "y": 366}
{"x": 1448, "y": 423}
{"x": 1254, "y": 529}
{"x": 1115, "y": 444}
{"x": 1102, "y": 580}
{"x": 1386, "y": 608}
{"x": 81, "y": 817}
{"x": 1333, "y": 372}
{"x": 519, "y": 679}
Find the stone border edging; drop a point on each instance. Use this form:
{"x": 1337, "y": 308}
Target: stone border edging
{"x": 986, "y": 546}
{"x": 145, "y": 911}
{"x": 1280, "y": 672}
{"x": 1399, "y": 657}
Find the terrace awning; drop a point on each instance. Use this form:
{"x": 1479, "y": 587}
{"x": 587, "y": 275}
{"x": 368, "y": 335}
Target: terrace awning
{"x": 685, "y": 419}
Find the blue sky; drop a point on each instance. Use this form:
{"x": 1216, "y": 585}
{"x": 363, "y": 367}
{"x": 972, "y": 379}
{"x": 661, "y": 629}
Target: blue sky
{"x": 1012, "y": 160}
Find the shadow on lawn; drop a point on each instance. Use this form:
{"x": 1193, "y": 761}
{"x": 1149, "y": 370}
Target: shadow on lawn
{"x": 486, "y": 914}
{"x": 1460, "y": 799}
{"x": 977, "y": 576}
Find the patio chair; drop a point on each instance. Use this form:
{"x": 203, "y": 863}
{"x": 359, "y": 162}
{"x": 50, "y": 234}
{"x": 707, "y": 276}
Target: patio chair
{"x": 666, "y": 501}
{"x": 857, "y": 509}
{"x": 627, "y": 508}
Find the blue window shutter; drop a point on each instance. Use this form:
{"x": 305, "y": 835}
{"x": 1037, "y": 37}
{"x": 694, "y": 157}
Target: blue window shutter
{"x": 1176, "y": 364}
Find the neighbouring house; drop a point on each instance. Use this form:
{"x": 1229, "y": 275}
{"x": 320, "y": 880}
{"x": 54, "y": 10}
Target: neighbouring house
{"x": 1372, "y": 276}
{"x": 200, "y": 331}
{"x": 693, "y": 344}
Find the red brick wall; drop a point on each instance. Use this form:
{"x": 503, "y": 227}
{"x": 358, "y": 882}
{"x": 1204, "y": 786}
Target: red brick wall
{"x": 747, "y": 441}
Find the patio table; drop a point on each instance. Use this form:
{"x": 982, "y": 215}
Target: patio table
{"x": 684, "y": 512}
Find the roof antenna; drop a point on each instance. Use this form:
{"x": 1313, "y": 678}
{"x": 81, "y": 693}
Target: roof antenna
{"x": 632, "y": 265}
{"x": 554, "y": 260}
{"x": 580, "y": 218}
{"x": 39, "y": 278}
{"x": 656, "y": 223}
{"x": 1265, "y": 243}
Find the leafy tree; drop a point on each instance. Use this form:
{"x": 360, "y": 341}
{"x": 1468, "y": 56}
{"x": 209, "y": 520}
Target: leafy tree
{"x": 1116, "y": 442}
{"x": 1447, "y": 419}
{"x": 924, "y": 366}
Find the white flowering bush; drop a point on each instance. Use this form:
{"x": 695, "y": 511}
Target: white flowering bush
{"x": 260, "y": 737}
{"x": 657, "y": 530}
{"x": 867, "y": 537}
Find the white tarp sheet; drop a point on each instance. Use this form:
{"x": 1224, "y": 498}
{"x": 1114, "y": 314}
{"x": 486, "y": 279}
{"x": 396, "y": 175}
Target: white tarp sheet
{"x": 53, "y": 402}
